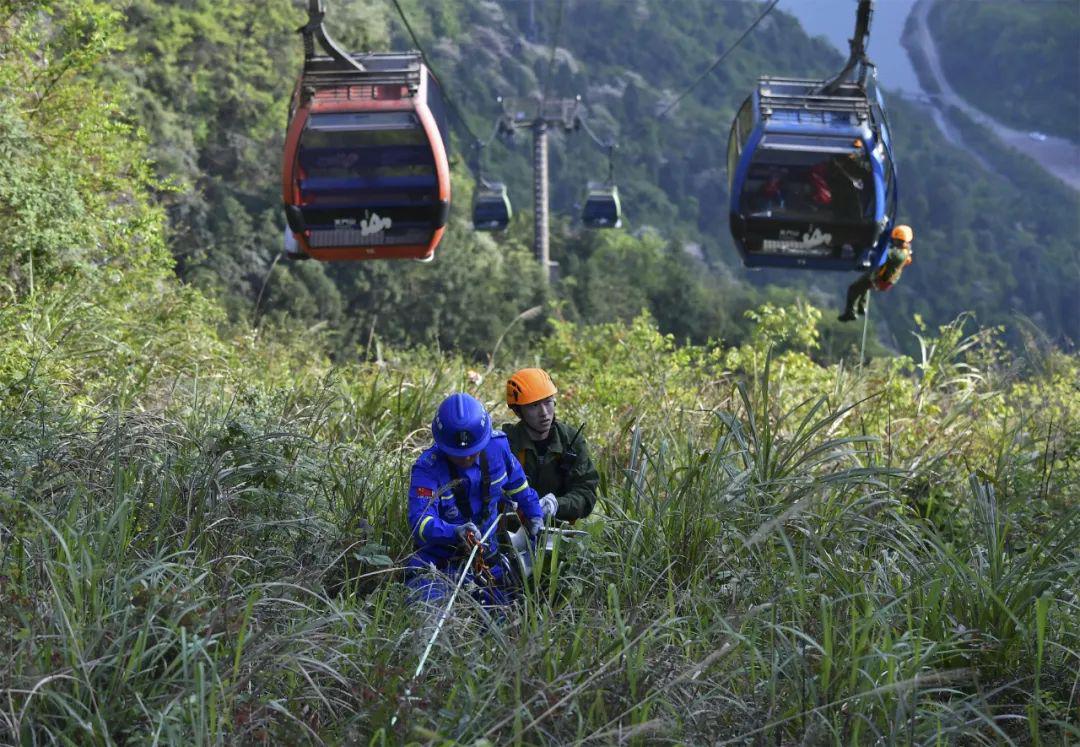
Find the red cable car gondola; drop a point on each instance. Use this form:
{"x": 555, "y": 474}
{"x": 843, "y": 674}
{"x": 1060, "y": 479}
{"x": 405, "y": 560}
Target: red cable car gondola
{"x": 365, "y": 172}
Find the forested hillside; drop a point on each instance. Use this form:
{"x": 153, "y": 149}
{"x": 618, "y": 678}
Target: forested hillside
{"x": 1018, "y": 61}
{"x": 211, "y": 87}
{"x": 203, "y": 506}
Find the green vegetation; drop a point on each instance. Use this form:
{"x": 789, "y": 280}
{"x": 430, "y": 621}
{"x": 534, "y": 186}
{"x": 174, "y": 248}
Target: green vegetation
{"x": 201, "y": 521}
{"x": 784, "y": 550}
{"x": 1016, "y": 61}
{"x": 210, "y": 85}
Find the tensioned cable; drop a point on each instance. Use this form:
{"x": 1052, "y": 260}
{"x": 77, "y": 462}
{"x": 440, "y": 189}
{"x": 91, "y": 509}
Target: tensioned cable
{"x": 491, "y": 138}
{"x": 480, "y": 145}
{"x": 865, "y": 322}
{"x": 452, "y": 104}
{"x": 423, "y": 55}
{"x": 466, "y": 569}
{"x": 595, "y": 139}
{"x": 718, "y": 60}
{"x": 715, "y": 64}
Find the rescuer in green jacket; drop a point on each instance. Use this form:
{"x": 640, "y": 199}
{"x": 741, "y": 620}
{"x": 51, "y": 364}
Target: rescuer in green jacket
{"x": 555, "y": 456}
{"x": 882, "y": 278}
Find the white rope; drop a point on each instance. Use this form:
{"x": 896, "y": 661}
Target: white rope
{"x": 865, "y": 322}
{"x": 445, "y": 614}
{"x": 453, "y": 597}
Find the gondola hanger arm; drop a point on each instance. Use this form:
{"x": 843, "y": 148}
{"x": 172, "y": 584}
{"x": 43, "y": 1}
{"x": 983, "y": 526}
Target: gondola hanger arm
{"x": 314, "y": 30}
{"x": 858, "y": 42}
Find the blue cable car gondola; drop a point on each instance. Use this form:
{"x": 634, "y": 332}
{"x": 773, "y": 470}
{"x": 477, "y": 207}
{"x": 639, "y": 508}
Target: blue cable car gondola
{"x": 810, "y": 170}
{"x": 491, "y": 209}
{"x": 365, "y": 172}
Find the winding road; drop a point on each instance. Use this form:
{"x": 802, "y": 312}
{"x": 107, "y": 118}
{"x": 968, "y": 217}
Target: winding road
{"x": 1056, "y": 155}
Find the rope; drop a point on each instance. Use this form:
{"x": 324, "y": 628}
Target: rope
{"x": 449, "y": 605}
{"x": 865, "y": 323}
{"x": 468, "y": 566}
{"x": 479, "y": 566}
{"x": 423, "y": 55}
{"x": 262, "y": 288}
{"x": 720, "y": 59}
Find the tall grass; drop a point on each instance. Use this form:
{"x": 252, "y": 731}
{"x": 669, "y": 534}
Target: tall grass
{"x": 221, "y": 566}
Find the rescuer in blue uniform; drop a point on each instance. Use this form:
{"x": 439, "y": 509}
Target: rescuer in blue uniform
{"x": 456, "y": 493}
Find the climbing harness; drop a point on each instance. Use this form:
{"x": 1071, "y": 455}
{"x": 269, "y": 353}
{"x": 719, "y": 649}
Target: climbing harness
{"x": 568, "y": 461}
{"x": 481, "y": 570}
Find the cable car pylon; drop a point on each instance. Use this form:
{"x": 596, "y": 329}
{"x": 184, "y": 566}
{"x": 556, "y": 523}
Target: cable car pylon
{"x": 538, "y": 115}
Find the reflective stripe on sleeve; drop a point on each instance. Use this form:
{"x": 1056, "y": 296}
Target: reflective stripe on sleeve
{"x": 423, "y": 523}
{"x": 514, "y": 491}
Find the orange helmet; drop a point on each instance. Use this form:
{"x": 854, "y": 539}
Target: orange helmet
{"x": 527, "y": 386}
{"x": 904, "y": 233}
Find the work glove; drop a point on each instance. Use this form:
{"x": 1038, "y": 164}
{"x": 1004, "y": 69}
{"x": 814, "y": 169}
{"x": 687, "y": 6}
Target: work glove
{"x": 462, "y": 531}
{"x": 536, "y": 524}
{"x": 550, "y": 504}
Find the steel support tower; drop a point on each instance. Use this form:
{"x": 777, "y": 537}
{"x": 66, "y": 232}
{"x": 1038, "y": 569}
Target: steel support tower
{"x": 539, "y": 116}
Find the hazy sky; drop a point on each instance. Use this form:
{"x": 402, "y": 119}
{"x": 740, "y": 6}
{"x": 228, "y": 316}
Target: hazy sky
{"x": 835, "y": 20}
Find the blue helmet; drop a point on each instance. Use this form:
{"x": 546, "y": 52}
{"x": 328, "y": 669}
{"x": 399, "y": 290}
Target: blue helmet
{"x": 462, "y": 426}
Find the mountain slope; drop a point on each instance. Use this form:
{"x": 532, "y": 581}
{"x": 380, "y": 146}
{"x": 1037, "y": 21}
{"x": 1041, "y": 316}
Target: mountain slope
{"x": 213, "y": 88}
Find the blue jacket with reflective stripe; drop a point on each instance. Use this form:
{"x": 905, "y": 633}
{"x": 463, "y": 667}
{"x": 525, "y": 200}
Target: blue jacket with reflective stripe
{"x": 433, "y": 508}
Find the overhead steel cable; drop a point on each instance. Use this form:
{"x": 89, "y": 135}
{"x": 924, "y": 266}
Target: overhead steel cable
{"x": 480, "y": 145}
{"x": 495, "y": 128}
{"x": 602, "y": 143}
{"x": 608, "y": 145}
{"x": 708, "y": 71}
{"x": 715, "y": 64}
{"x": 423, "y": 55}
{"x": 719, "y": 60}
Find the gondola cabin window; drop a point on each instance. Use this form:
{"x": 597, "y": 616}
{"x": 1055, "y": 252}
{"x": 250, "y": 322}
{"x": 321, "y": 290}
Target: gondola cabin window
{"x": 809, "y": 179}
{"x": 349, "y": 161}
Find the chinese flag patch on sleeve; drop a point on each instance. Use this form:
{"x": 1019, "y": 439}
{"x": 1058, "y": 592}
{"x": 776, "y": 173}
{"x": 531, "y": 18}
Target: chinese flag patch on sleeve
{"x": 425, "y": 492}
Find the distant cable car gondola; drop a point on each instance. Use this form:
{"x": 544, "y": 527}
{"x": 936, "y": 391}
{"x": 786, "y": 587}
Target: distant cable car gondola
{"x": 365, "y": 173}
{"x": 602, "y": 207}
{"x": 491, "y": 209}
{"x": 811, "y": 172}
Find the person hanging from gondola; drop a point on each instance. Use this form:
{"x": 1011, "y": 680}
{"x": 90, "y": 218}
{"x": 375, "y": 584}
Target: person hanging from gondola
{"x": 456, "y": 492}
{"x": 881, "y": 278}
{"x": 554, "y": 455}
